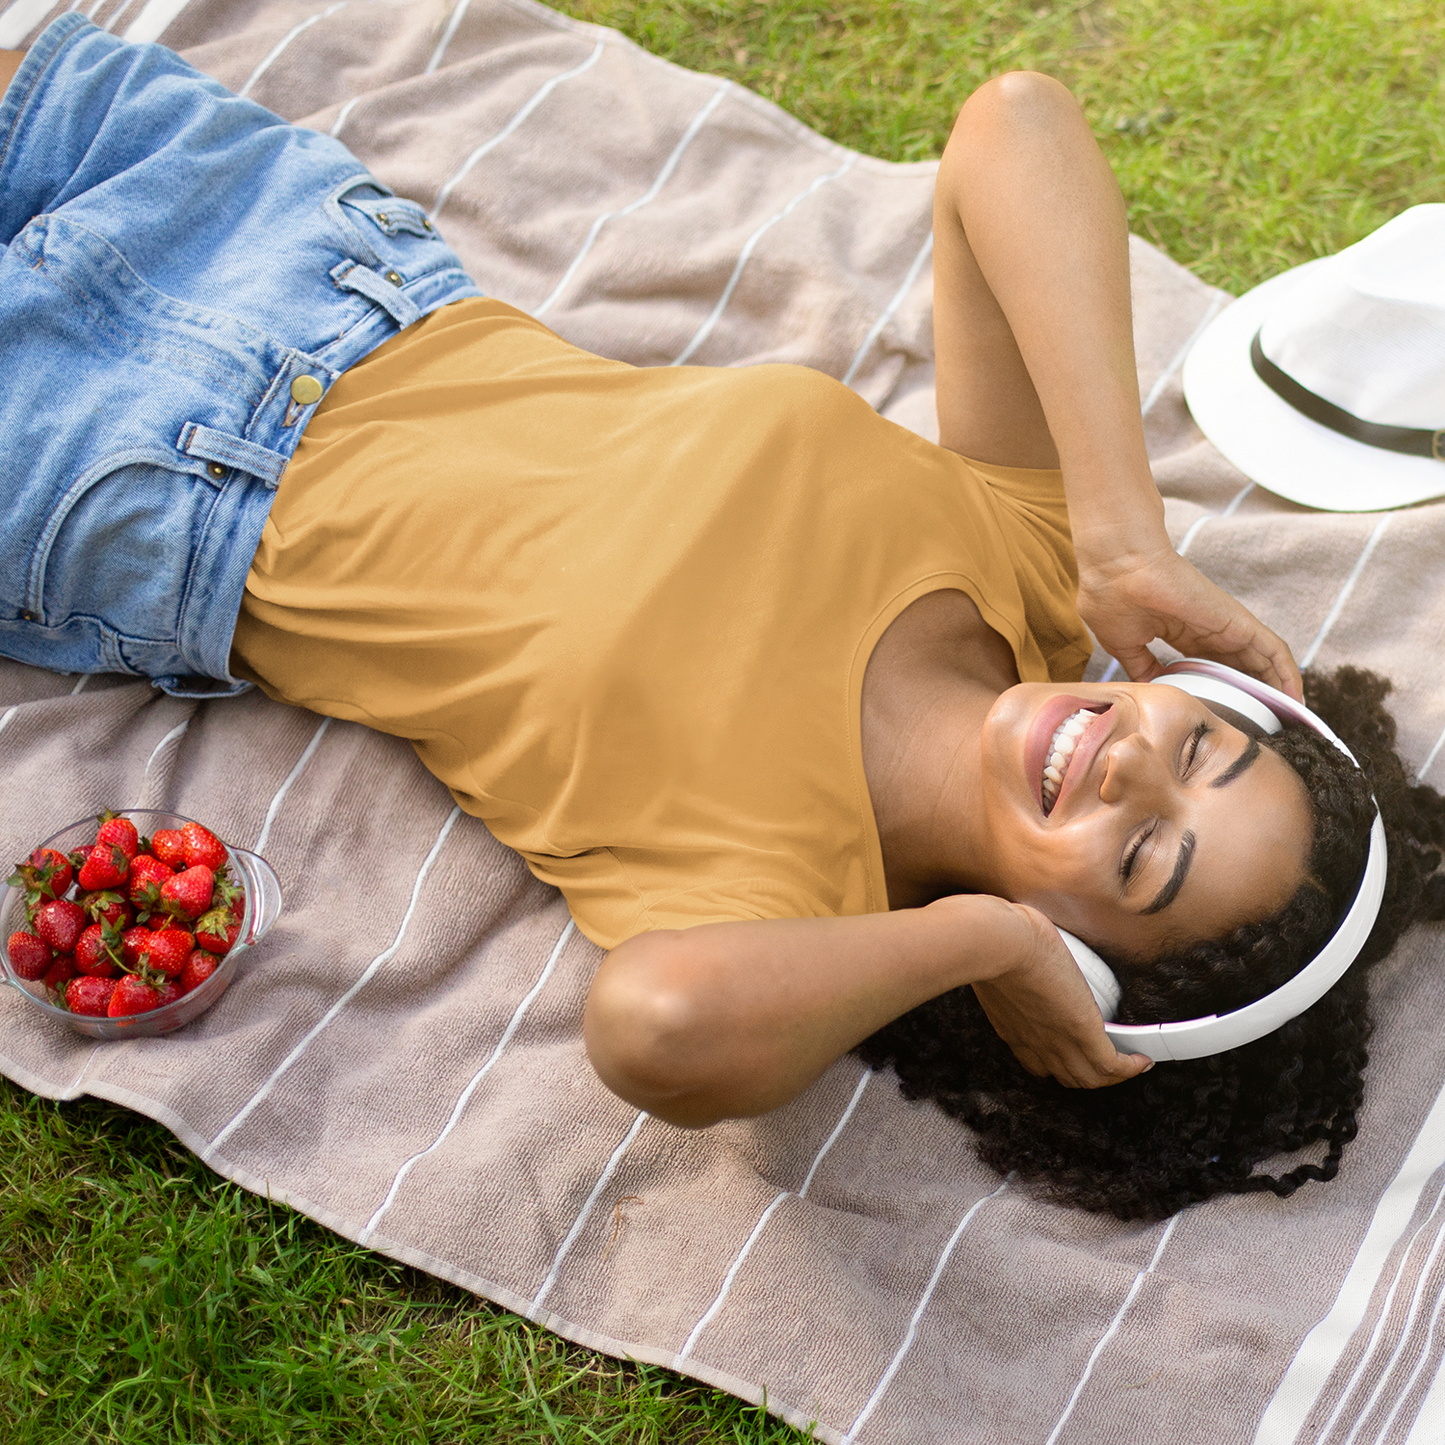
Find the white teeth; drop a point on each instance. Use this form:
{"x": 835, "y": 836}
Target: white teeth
{"x": 1061, "y": 751}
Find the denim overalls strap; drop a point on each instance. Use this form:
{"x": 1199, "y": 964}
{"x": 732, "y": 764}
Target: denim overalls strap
{"x": 184, "y": 275}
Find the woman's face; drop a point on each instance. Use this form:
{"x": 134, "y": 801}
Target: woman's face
{"x": 1169, "y": 826}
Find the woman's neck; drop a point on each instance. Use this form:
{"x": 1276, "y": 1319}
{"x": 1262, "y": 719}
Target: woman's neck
{"x": 930, "y": 682}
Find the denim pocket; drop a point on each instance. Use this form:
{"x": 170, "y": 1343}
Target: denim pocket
{"x": 120, "y": 550}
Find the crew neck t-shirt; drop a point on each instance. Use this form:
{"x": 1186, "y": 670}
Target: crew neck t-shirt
{"x": 624, "y": 613}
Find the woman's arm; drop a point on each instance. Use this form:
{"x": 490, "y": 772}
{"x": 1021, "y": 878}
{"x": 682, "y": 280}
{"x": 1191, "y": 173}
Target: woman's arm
{"x": 727, "y": 1019}
{"x": 1035, "y": 350}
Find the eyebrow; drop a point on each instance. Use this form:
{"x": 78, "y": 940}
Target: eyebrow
{"x": 1170, "y": 890}
{"x": 1241, "y": 764}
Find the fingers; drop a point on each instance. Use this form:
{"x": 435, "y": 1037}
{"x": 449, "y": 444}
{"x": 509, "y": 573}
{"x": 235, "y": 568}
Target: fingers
{"x": 1096, "y": 1073}
{"x": 1286, "y": 674}
{"x": 1140, "y": 664}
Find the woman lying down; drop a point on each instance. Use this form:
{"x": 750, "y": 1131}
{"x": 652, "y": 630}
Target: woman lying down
{"x": 783, "y": 698}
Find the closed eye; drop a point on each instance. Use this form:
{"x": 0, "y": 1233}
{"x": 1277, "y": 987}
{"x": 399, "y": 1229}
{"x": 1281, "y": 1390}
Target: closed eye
{"x": 1191, "y": 747}
{"x": 1126, "y": 865}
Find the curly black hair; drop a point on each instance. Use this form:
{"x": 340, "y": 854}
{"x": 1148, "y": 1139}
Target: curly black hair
{"x": 1189, "y": 1130}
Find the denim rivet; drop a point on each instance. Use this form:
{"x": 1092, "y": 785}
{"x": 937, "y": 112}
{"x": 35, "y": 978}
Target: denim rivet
{"x": 27, "y": 617}
{"x": 305, "y": 390}
{"x": 216, "y": 470}
{"x": 426, "y": 225}
{"x": 382, "y": 217}
{"x": 394, "y": 277}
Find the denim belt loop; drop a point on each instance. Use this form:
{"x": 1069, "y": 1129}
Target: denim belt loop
{"x": 223, "y": 451}
{"x": 385, "y": 290}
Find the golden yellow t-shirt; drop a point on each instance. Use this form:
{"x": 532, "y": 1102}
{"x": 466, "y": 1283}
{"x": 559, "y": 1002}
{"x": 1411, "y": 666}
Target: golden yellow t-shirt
{"x": 624, "y": 613}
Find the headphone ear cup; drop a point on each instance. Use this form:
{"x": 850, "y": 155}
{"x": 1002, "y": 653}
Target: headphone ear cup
{"x": 1097, "y": 974}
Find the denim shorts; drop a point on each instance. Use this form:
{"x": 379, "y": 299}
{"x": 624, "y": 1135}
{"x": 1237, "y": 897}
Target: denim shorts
{"x": 184, "y": 275}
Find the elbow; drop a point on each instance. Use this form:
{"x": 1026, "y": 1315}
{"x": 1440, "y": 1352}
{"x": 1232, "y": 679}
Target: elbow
{"x": 645, "y": 1031}
{"x": 1023, "y": 98}
{"x": 1019, "y": 108}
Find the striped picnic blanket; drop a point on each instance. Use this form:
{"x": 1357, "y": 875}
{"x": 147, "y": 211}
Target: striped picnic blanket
{"x": 406, "y": 1066}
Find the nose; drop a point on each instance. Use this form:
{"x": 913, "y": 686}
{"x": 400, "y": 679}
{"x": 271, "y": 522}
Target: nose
{"x": 1133, "y": 769}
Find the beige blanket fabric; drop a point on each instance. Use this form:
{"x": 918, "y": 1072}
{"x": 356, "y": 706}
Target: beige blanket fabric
{"x": 402, "y": 1060}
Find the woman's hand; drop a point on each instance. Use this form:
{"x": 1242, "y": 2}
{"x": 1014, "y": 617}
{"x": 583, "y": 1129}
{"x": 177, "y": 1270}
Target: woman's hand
{"x": 1044, "y": 1011}
{"x": 1135, "y": 597}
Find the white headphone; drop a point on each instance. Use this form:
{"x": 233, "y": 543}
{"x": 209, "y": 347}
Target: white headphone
{"x": 1267, "y": 708}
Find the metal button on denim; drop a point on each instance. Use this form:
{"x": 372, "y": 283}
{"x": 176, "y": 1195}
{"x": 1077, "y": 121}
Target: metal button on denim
{"x": 216, "y": 470}
{"x": 394, "y": 277}
{"x": 305, "y": 390}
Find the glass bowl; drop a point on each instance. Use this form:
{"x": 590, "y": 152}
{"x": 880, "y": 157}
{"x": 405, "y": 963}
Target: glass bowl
{"x": 262, "y": 907}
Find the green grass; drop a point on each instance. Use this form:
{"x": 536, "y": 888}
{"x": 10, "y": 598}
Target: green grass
{"x": 1248, "y": 135}
{"x": 141, "y": 1298}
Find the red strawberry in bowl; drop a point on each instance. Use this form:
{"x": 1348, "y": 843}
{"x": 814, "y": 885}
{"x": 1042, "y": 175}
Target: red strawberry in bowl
{"x": 203, "y": 848}
{"x": 168, "y": 951}
{"x": 147, "y": 876}
{"x": 59, "y": 923}
{"x": 60, "y": 973}
{"x": 106, "y": 907}
{"x": 199, "y": 967}
{"x": 217, "y": 931}
{"x": 98, "y": 951}
{"x": 168, "y": 992}
{"x": 119, "y": 832}
{"x": 45, "y": 874}
{"x": 131, "y": 996}
{"x": 135, "y": 944}
{"x": 169, "y": 845}
{"x": 187, "y": 895}
{"x": 89, "y": 995}
{"x": 105, "y": 866}
{"x": 30, "y": 955}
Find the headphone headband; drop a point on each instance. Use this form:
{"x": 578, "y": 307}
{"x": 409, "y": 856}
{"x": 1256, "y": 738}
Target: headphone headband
{"x": 1269, "y": 709}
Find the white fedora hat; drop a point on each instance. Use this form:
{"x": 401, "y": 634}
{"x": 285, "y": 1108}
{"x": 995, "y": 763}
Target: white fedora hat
{"x": 1326, "y": 384}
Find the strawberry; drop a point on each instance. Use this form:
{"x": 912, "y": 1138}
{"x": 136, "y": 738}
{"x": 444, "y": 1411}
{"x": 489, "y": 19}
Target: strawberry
{"x": 60, "y": 877}
{"x": 199, "y": 967}
{"x": 120, "y": 832}
{"x": 146, "y": 877}
{"x": 188, "y": 894}
{"x": 89, "y": 995}
{"x": 203, "y": 848}
{"x": 107, "y": 907}
{"x": 168, "y": 951}
{"x": 59, "y": 923}
{"x": 30, "y": 956}
{"x": 99, "y": 952}
{"x": 217, "y": 930}
{"x": 169, "y": 846}
{"x": 169, "y": 992}
{"x": 105, "y": 866}
{"x": 60, "y": 973}
{"x": 135, "y": 943}
{"x": 46, "y": 874}
{"x": 131, "y": 996}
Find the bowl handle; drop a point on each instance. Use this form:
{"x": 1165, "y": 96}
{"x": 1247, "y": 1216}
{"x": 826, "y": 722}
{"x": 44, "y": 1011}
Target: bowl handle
{"x": 263, "y": 888}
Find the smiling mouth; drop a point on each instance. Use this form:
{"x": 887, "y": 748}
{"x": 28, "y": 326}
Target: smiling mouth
{"x": 1060, "y": 753}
